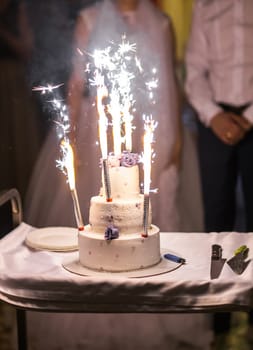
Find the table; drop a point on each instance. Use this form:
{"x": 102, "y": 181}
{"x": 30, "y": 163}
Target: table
{"x": 36, "y": 280}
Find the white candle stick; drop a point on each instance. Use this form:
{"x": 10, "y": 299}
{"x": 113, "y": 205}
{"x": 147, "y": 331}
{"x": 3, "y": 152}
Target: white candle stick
{"x": 107, "y": 183}
{"x": 145, "y": 215}
{"x": 77, "y": 210}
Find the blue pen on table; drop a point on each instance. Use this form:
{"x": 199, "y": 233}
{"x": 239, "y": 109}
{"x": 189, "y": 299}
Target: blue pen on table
{"x": 174, "y": 258}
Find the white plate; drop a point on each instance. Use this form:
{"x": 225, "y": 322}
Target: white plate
{"x": 164, "y": 266}
{"x": 53, "y": 239}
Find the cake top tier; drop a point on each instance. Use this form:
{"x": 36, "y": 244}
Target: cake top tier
{"x": 124, "y": 182}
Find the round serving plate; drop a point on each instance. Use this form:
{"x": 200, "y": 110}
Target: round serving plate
{"x": 53, "y": 239}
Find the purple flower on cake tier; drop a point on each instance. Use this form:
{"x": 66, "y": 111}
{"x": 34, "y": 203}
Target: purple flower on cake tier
{"x": 129, "y": 159}
{"x": 111, "y": 232}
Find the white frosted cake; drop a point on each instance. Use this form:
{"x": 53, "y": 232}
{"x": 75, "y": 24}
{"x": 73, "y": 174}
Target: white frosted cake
{"x": 114, "y": 240}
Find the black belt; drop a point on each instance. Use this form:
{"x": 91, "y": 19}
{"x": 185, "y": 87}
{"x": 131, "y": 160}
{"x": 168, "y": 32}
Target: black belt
{"x": 234, "y": 109}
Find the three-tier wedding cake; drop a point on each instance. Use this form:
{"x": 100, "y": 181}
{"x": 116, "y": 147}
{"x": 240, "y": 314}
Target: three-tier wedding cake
{"x": 114, "y": 240}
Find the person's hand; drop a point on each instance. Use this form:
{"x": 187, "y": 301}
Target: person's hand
{"x": 227, "y": 129}
{"x": 242, "y": 122}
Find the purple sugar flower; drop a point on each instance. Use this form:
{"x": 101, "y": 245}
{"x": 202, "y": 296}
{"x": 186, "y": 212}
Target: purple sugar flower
{"x": 111, "y": 232}
{"x": 129, "y": 159}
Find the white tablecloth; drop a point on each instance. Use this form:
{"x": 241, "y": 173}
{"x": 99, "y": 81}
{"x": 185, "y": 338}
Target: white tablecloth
{"x": 36, "y": 280}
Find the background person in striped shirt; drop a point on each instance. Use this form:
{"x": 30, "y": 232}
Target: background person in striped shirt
{"x": 219, "y": 85}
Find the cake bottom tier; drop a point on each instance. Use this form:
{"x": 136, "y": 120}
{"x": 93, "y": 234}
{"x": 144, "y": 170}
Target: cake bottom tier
{"x": 126, "y": 253}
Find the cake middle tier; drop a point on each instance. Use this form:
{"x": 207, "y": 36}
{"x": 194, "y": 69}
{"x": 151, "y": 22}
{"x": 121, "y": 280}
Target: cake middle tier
{"x": 126, "y": 215}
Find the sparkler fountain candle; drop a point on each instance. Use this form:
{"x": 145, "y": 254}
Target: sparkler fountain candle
{"x": 110, "y": 64}
{"x": 68, "y": 164}
{"x": 101, "y": 93}
{"x": 128, "y": 126}
{"x": 149, "y": 127}
{"x": 114, "y": 110}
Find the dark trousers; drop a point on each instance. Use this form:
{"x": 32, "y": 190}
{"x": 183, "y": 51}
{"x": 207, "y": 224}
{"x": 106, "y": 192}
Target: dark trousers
{"x": 220, "y": 167}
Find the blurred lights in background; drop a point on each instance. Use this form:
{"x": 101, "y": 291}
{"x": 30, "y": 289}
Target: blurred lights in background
{"x": 180, "y": 12}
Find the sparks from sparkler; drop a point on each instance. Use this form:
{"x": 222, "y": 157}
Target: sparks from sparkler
{"x": 59, "y": 109}
{"x": 67, "y": 166}
{"x": 112, "y": 68}
{"x": 115, "y": 64}
{"x": 48, "y": 88}
{"x": 66, "y": 162}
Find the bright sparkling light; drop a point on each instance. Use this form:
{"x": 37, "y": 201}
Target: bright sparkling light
{"x": 61, "y": 119}
{"x": 103, "y": 122}
{"x": 66, "y": 164}
{"x": 149, "y": 127}
{"x": 114, "y": 68}
{"x": 48, "y": 88}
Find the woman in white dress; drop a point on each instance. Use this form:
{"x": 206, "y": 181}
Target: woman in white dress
{"x": 49, "y": 202}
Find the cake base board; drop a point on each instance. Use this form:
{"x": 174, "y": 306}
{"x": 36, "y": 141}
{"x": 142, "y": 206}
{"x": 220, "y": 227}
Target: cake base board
{"x": 164, "y": 266}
